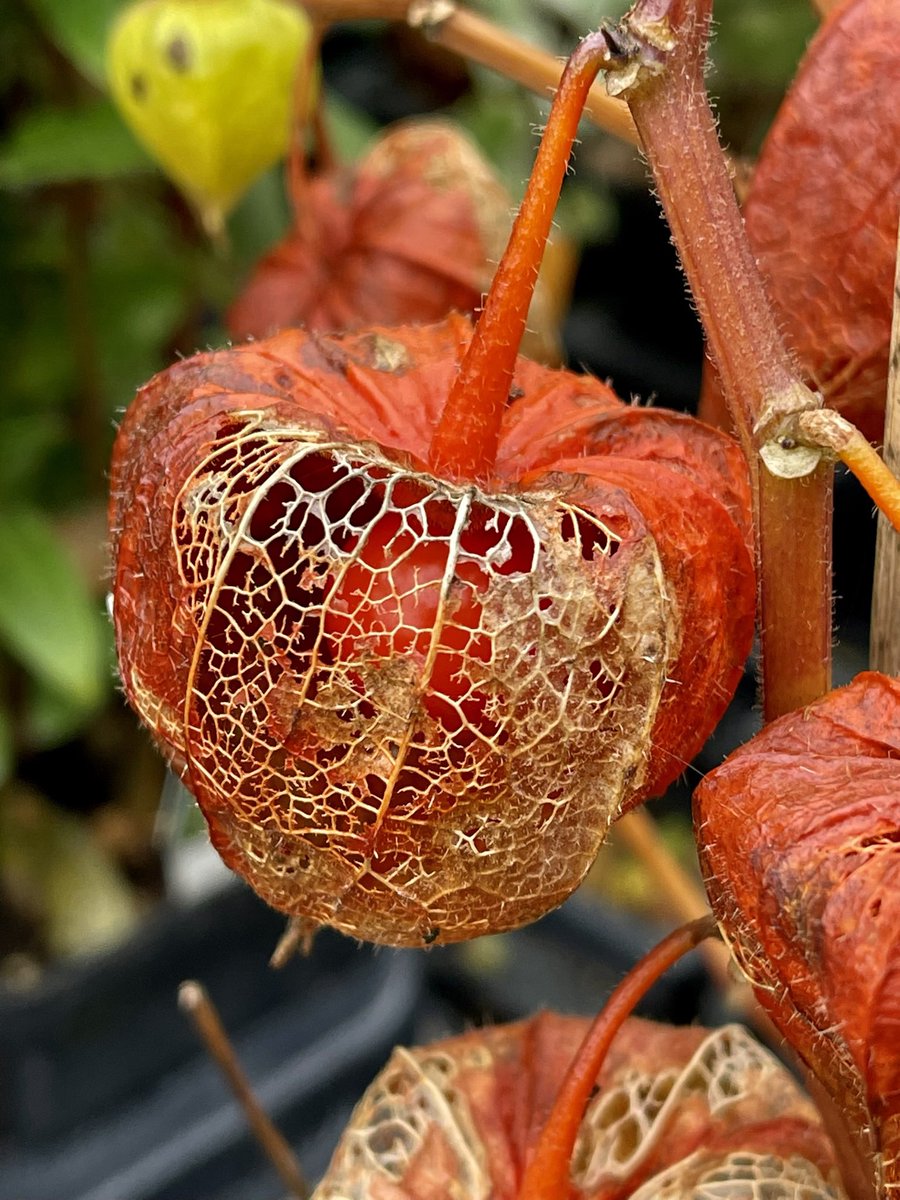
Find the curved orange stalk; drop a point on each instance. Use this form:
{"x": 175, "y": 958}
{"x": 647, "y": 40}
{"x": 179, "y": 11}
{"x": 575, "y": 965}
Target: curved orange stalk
{"x": 464, "y": 446}
{"x": 547, "y": 1172}
{"x": 875, "y": 476}
{"x": 827, "y": 430}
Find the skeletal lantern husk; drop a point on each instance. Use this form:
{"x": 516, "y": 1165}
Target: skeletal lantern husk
{"x": 409, "y": 708}
{"x": 208, "y": 87}
{"x": 677, "y": 1113}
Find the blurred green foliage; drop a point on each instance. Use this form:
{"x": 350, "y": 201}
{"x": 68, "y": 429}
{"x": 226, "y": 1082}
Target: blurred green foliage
{"x": 107, "y": 278}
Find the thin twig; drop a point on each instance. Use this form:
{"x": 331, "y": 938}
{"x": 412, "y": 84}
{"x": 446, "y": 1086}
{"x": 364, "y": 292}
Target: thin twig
{"x": 193, "y": 999}
{"x": 641, "y": 835}
{"x": 885, "y": 635}
{"x": 473, "y": 37}
{"x": 480, "y": 40}
{"x": 547, "y": 1171}
{"x": 297, "y": 939}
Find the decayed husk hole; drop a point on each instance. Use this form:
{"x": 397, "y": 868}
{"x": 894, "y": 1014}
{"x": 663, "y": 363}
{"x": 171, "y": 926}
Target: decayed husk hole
{"x": 397, "y": 686}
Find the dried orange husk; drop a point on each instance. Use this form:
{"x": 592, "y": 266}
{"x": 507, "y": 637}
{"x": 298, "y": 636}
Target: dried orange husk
{"x": 410, "y": 708}
{"x": 406, "y": 235}
{"x": 823, "y": 207}
{"x": 800, "y": 844}
{"x": 677, "y": 1113}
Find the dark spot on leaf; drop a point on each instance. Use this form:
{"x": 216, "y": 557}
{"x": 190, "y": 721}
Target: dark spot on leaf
{"x": 179, "y": 54}
{"x": 139, "y": 87}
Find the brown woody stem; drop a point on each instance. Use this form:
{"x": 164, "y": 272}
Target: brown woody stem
{"x": 684, "y": 893}
{"x": 307, "y": 111}
{"x": 193, "y": 999}
{"x": 480, "y": 40}
{"x": 546, "y": 1174}
{"x": 662, "y": 46}
{"x": 464, "y": 446}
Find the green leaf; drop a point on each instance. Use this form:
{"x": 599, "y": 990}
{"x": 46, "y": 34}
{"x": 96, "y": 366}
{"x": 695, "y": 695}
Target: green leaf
{"x": 758, "y": 45}
{"x": 79, "y": 28}
{"x": 141, "y": 289}
{"x": 26, "y": 440}
{"x": 50, "y": 145}
{"x": 48, "y": 621}
{"x": 351, "y": 129}
{"x": 48, "y": 718}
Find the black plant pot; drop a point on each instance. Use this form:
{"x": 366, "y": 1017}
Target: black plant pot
{"x": 108, "y": 1097}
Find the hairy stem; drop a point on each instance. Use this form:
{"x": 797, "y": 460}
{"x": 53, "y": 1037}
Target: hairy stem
{"x": 829, "y": 431}
{"x": 546, "y": 1174}
{"x": 464, "y": 446}
{"x": 662, "y": 46}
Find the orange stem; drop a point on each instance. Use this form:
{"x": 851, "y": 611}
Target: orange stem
{"x": 464, "y": 446}
{"x": 827, "y": 430}
{"x": 875, "y": 476}
{"x": 547, "y": 1172}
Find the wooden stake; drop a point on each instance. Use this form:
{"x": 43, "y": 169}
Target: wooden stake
{"x": 885, "y": 635}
